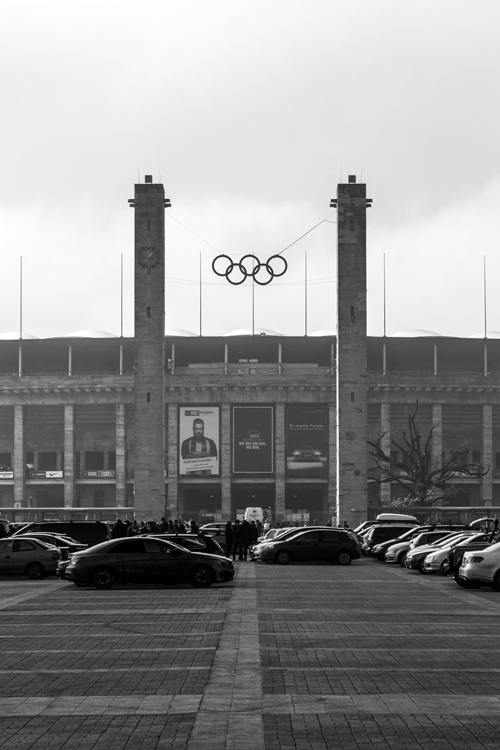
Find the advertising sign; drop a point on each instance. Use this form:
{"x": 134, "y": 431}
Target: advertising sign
{"x": 98, "y": 474}
{"x": 199, "y": 440}
{"x": 46, "y": 474}
{"x": 6, "y": 475}
{"x": 253, "y": 442}
{"x": 307, "y": 441}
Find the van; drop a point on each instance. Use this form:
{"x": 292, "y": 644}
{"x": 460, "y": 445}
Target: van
{"x": 86, "y": 532}
{"x": 386, "y": 519}
{"x": 254, "y": 514}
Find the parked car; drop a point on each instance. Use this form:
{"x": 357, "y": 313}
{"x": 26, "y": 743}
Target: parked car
{"x": 332, "y": 545}
{"x": 257, "y": 549}
{"x": 379, "y": 534}
{"x": 397, "y": 552}
{"x": 28, "y": 556}
{"x": 193, "y": 542}
{"x": 86, "y": 532}
{"x": 217, "y": 531}
{"x": 481, "y": 568}
{"x": 453, "y": 561}
{"x": 415, "y": 557}
{"x": 436, "y": 561}
{"x": 65, "y": 544}
{"x": 146, "y": 560}
{"x": 386, "y": 518}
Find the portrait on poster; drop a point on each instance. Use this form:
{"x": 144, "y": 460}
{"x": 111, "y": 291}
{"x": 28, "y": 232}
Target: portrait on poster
{"x": 199, "y": 440}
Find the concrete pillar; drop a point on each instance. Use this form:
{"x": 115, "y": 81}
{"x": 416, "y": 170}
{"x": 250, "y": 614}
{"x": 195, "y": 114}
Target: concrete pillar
{"x": 279, "y": 503}
{"x": 19, "y": 462}
{"x": 385, "y": 431}
{"x": 69, "y": 456}
{"x": 225, "y": 462}
{"x": 120, "y": 447}
{"x": 352, "y": 427}
{"x": 149, "y": 350}
{"x": 172, "y": 458}
{"x": 437, "y": 442}
{"x": 487, "y": 453}
{"x": 332, "y": 463}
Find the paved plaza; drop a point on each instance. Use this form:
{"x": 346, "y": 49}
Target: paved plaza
{"x": 309, "y": 657}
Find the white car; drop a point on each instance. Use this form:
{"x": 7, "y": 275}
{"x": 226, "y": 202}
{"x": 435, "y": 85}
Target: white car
{"x": 481, "y": 567}
{"x": 435, "y": 560}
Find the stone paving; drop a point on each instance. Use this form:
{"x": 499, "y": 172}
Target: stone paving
{"x": 297, "y": 657}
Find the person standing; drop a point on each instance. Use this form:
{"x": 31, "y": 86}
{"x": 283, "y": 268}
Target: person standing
{"x": 228, "y": 534}
{"x": 245, "y": 535}
{"x": 236, "y": 533}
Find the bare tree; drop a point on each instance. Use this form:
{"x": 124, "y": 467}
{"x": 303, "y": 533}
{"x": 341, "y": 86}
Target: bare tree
{"x": 410, "y": 463}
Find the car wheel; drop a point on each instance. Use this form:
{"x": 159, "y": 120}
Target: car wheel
{"x": 444, "y": 568}
{"x": 420, "y": 567}
{"x": 344, "y": 558}
{"x": 103, "y": 578}
{"x": 202, "y": 577}
{"x": 283, "y": 557}
{"x": 496, "y": 581}
{"x": 402, "y": 559}
{"x": 35, "y": 571}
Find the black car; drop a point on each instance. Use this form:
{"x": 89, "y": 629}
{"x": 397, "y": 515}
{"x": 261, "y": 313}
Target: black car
{"x": 193, "y": 542}
{"x": 86, "y": 532}
{"x": 143, "y": 559}
{"x": 66, "y": 544}
{"x": 332, "y": 545}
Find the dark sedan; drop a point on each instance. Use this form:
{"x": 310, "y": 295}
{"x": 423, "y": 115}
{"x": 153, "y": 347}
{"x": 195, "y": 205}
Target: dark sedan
{"x": 332, "y": 545}
{"x": 146, "y": 560}
{"x": 192, "y": 542}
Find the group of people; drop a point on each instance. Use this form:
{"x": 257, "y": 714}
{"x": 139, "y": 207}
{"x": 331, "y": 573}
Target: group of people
{"x": 134, "y": 528}
{"x": 241, "y": 536}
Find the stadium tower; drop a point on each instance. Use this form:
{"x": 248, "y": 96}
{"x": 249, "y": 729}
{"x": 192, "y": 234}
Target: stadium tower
{"x": 351, "y": 382}
{"x": 149, "y": 349}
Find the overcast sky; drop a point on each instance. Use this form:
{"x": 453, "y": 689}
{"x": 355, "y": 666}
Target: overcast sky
{"x": 251, "y": 113}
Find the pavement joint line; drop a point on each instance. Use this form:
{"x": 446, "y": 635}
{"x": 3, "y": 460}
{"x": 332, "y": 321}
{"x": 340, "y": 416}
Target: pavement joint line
{"x": 12, "y": 600}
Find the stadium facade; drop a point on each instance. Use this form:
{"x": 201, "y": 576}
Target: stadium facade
{"x": 98, "y": 426}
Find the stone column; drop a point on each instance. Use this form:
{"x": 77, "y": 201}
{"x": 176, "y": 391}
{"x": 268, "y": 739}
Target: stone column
{"x": 69, "y": 456}
{"x": 172, "y": 458}
{"x": 19, "y": 462}
{"x": 120, "y": 447}
{"x": 225, "y": 462}
{"x": 437, "y": 442}
{"x": 279, "y": 503}
{"x": 332, "y": 462}
{"x": 385, "y": 431}
{"x": 487, "y": 454}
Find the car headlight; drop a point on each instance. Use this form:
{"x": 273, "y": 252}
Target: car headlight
{"x": 475, "y": 559}
{"x": 223, "y": 564}
{"x": 270, "y": 546}
{"x": 74, "y": 559}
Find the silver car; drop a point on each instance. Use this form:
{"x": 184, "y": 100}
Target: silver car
{"x": 27, "y": 556}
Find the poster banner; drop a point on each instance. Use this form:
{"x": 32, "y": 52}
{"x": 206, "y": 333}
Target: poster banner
{"x": 199, "y": 440}
{"x": 307, "y": 441}
{"x": 253, "y": 443}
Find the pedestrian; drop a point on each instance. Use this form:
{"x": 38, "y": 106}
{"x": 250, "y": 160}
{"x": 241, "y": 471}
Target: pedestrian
{"x": 133, "y": 529}
{"x": 193, "y": 527}
{"x": 163, "y": 525}
{"x": 171, "y": 526}
{"x": 228, "y": 534}
{"x": 245, "y": 535}
{"x": 3, "y": 531}
{"x": 236, "y": 531}
{"x": 142, "y": 528}
{"x": 118, "y": 530}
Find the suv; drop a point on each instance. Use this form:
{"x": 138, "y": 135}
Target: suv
{"x": 379, "y": 534}
{"x": 332, "y": 545}
{"x": 86, "y": 532}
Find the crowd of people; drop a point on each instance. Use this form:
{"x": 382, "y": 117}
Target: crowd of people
{"x": 134, "y": 528}
{"x": 240, "y": 536}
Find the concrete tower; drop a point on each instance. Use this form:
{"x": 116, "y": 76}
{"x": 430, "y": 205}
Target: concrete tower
{"x": 149, "y": 349}
{"x": 352, "y": 504}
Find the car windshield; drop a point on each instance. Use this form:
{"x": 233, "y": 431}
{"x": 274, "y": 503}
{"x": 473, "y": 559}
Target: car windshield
{"x": 449, "y": 539}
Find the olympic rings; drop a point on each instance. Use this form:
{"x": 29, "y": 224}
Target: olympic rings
{"x": 245, "y": 272}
